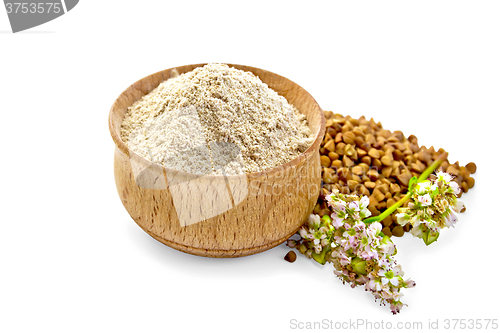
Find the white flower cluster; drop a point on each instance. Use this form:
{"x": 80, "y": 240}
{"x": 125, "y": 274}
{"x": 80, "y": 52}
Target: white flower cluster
{"x": 433, "y": 207}
{"x": 361, "y": 254}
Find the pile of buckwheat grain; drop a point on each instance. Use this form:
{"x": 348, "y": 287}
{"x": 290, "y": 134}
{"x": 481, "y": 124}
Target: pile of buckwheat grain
{"x": 359, "y": 156}
{"x": 216, "y": 119}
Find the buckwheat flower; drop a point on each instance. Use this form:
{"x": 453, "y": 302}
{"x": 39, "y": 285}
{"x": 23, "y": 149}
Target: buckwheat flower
{"x": 423, "y": 187}
{"x": 417, "y": 231}
{"x": 337, "y": 272}
{"x": 345, "y": 243}
{"x": 451, "y": 219}
{"x": 351, "y": 235}
{"x": 431, "y": 224}
{"x": 320, "y": 234}
{"x": 443, "y": 176}
{"x": 359, "y": 227}
{"x": 402, "y": 219}
{"x": 324, "y": 229}
{"x": 337, "y": 222}
{"x": 387, "y": 246}
{"x": 310, "y": 234}
{"x": 360, "y": 253}
{"x": 396, "y": 307}
{"x": 365, "y": 243}
{"x": 373, "y": 285}
{"x": 344, "y": 259}
{"x": 363, "y": 207}
{"x": 368, "y": 255}
{"x": 432, "y": 207}
{"x": 425, "y": 199}
{"x": 364, "y": 202}
{"x": 388, "y": 276}
{"x": 385, "y": 263}
{"x": 409, "y": 283}
{"x": 454, "y": 186}
{"x": 398, "y": 270}
{"x": 362, "y": 280}
{"x": 388, "y": 293}
{"x": 336, "y": 206}
{"x": 329, "y": 199}
{"x": 338, "y": 215}
{"x": 314, "y": 220}
{"x": 374, "y": 229}
{"x": 354, "y": 205}
{"x": 459, "y": 207}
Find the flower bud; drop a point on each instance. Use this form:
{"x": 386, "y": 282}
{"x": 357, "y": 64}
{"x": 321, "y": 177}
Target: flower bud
{"x": 459, "y": 207}
{"x": 430, "y": 236}
{"x": 387, "y": 246}
{"x": 326, "y": 219}
{"x": 319, "y": 257}
{"x": 314, "y": 221}
{"x": 402, "y": 219}
{"x": 359, "y": 266}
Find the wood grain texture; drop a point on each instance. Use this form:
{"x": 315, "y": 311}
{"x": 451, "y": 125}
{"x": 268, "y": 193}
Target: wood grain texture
{"x": 269, "y": 206}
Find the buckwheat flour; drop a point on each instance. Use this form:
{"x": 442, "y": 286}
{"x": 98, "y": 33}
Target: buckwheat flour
{"x": 216, "y": 119}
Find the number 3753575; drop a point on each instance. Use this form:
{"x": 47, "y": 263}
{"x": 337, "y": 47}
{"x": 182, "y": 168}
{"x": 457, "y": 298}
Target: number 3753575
{"x": 32, "y": 8}
{"x": 476, "y": 324}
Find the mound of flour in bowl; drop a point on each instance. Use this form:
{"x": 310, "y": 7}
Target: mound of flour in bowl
{"x": 216, "y": 119}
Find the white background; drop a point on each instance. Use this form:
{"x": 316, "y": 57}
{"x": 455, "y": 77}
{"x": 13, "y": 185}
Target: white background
{"x": 72, "y": 260}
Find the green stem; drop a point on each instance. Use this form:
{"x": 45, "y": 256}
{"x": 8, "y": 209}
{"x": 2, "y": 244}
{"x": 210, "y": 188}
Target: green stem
{"x": 389, "y": 210}
{"x": 432, "y": 167}
{"x": 398, "y": 204}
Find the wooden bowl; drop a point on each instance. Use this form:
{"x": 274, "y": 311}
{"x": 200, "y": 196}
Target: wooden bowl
{"x": 217, "y": 216}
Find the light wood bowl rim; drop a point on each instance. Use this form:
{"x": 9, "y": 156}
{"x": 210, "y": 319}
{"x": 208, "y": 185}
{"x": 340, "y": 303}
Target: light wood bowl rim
{"x": 314, "y": 147}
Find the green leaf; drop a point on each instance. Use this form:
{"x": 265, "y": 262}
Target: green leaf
{"x": 385, "y": 239}
{"x": 430, "y": 237}
{"x": 412, "y": 183}
{"x": 359, "y": 266}
{"x": 321, "y": 257}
